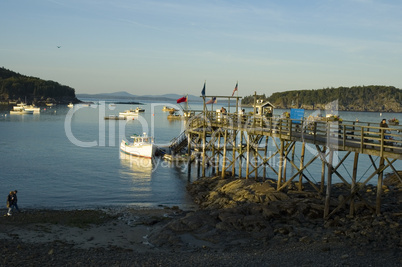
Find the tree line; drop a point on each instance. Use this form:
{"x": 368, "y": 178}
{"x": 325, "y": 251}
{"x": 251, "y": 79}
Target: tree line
{"x": 14, "y": 86}
{"x": 356, "y": 98}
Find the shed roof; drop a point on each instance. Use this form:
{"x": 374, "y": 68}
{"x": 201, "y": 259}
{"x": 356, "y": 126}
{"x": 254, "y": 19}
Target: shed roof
{"x": 262, "y": 104}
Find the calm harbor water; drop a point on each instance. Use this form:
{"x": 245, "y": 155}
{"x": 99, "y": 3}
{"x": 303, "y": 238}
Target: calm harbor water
{"x": 70, "y": 158}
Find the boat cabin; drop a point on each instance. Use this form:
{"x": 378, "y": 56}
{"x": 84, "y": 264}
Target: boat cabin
{"x": 264, "y": 108}
{"x": 142, "y": 138}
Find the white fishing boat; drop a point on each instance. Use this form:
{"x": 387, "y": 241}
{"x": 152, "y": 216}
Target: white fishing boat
{"x": 165, "y": 108}
{"x": 21, "y": 111}
{"x": 138, "y": 109}
{"x": 23, "y": 106}
{"x": 19, "y": 106}
{"x": 70, "y": 105}
{"x": 128, "y": 113}
{"x": 142, "y": 146}
{"x": 174, "y": 116}
{"x": 33, "y": 108}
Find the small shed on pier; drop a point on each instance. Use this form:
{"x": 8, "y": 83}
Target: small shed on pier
{"x": 264, "y": 108}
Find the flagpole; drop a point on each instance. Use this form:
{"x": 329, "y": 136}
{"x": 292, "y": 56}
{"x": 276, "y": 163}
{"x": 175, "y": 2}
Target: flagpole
{"x": 237, "y": 99}
{"x": 237, "y": 91}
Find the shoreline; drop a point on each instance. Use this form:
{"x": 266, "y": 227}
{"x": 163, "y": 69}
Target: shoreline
{"x": 276, "y": 230}
{"x": 123, "y": 240}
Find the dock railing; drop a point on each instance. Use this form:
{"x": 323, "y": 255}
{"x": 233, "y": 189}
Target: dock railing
{"x": 344, "y": 134}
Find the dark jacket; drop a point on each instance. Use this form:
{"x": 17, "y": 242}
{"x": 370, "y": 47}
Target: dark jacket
{"x": 10, "y": 200}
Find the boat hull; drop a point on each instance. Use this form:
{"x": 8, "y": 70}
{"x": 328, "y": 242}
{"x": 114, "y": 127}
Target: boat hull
{"x": 22, "y": 107}
{"x": 18, "y": 112}
{"x": 128, "y": 113}
{"x": 33, "y": 109}
{"x": 139, "y": 150}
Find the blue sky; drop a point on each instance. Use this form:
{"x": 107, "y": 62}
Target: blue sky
{"x": 157, "y": 47}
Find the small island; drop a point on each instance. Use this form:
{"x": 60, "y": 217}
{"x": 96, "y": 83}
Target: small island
{"x": 15, "y": 87}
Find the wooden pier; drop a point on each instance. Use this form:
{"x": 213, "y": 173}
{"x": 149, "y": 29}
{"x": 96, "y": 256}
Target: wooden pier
{"x": 227, "y": 142}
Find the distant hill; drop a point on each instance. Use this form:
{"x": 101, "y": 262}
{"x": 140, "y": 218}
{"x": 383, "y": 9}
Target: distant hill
{"x": 357, "y": 98}
{"x": 130, "y": 97}
{"x": 18, "y": 87}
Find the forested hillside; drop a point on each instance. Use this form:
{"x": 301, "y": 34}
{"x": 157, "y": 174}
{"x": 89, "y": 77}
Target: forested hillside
{"x": 356, "y": 98}
{"x": 14, "y": 86}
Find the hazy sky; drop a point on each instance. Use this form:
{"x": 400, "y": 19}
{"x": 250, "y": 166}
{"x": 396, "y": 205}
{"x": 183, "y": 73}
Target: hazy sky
{"x": 158, "y": 47}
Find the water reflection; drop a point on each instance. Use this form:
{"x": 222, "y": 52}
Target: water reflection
{"x": 137, "y": 167}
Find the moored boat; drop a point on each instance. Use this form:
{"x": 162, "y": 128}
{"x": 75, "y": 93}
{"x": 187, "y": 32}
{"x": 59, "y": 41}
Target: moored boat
{"x": 32, "y": 108}
{"x": 138, "y": 109}
{"x": 142, "y": 146}
{"x": 165, "y": 108}
{"x": 174, "y": 116}
{"x": 70, "y": 105}
{"x": 21, "y": 111}
{"x": 128, "y": 113}
{"x": 23, "y": 106}
{"x": 114, "y": 117}
{"x": 19, "y": 106}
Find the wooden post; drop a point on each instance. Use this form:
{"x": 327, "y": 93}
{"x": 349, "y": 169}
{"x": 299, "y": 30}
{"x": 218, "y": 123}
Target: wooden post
{"x": 293, "y": 150}
{"x": 248, "y": 156}
{"x": 224, "y": 154}
{"x": 285, "y": 164}
{"x": 255, "y": 102}
{"x": 323, "y": 165}
{"x": 379, "y": 187}
{"x": 204, "y": 137}
{"x": 255, "y": 152}
{"x": 218, "y": 153}
{"x": 234, "y": 133}
{"x": 353, "y": 185}
{"x": 189, "y": 153}
{"x": 203, "y": 152}
{"x": 264, "y": 171}
{"x": 213, "y": 154}
{"x": 329, "y": 183}
{"x": 241, "y": 153}
{"x": 301, "y": 165}
{"x": 198, "y": 164}
{"x": 281, "y": 156}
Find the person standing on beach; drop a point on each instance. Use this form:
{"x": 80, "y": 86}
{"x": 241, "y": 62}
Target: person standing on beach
{"x": 10, "y": 203}
{"x": 15, "y": 205}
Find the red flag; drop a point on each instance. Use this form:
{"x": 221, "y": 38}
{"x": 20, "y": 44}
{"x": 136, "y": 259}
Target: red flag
{"x": 183, "y": 99}
{"x": 235, "y": 89}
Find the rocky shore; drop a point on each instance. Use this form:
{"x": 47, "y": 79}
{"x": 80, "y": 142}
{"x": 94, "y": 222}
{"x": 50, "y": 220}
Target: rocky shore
{"x": 239, "y": 222}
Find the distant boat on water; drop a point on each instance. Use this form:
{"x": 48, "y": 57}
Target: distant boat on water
{"x": 114, "y": 117}
{"x": 70, "y": 105}
{"x": 131, "y": 112}
{"x": 165, "y": 108}
{"x": 174, "y": 116}
{"x": 24, "y": 106}
{"x": 21, "y": 112}
{"x": 128, "y": 112}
